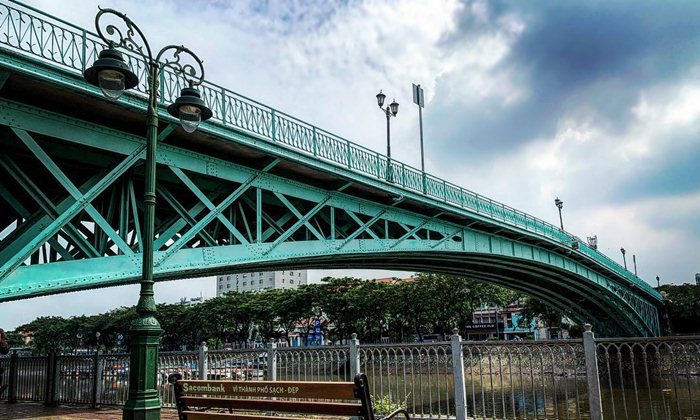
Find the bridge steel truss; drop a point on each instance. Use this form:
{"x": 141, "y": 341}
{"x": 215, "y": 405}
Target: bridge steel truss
{"x": 71, "y": 191}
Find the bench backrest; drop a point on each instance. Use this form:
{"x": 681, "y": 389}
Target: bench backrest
{"x": 351, "y": 399}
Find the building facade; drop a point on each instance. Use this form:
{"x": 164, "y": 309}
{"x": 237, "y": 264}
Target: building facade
{"x": 502, "y": 323}
{"x": 260, "y": 280}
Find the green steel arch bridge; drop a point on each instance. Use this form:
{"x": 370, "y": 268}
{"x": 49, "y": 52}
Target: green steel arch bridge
{"x": 253, "y": 189}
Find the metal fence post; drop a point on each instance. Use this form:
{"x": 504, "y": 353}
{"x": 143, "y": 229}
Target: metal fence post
{"x": 458, "y": 368}
{"x": 12, "y": 379}
{"x": 50, "y": 387}
{"x": 592, "y": 378}
{"x": 97, "y": 378}
{"x": 271, "y": 373}
{"x": 354, "y": 354}
{"x": 53, "y": 378}
{"x": 202, "y": 363}
{"x": 273, "y": 127}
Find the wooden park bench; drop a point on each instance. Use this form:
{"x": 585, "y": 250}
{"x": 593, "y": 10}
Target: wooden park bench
{"x": 252, "y": 400}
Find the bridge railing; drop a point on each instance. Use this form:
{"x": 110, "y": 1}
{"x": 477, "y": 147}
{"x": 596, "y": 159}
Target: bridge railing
{"x": 31, "y": 32}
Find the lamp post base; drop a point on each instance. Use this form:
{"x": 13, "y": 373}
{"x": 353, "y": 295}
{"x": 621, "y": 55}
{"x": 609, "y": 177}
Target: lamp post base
{"x": 143, "y": 403}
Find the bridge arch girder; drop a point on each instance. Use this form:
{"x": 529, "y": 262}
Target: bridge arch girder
{"x": 219, "y": 215}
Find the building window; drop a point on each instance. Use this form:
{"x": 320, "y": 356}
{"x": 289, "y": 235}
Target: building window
{"x": 221, "y": 286}
{"x": 291, "y": 273}
{"x": 228, "y": 286}
{"x": 299, "y": 275}
{"x": 270, "y": 278}
{"x": 261, "y": 274}
{"x": 291, "y": 281}
{"x": 244, "y": 284}
{"x": 261, "y": 281}
{"x": 244, "y": 276}
{"x": 282, "y": 279}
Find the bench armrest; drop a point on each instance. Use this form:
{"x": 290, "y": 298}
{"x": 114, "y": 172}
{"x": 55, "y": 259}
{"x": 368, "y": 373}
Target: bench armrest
{"x": 397, "y": 412}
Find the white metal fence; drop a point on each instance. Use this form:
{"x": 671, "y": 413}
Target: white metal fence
{"x": 635, "y": 378}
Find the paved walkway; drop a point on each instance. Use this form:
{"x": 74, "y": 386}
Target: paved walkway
{"x": 67, "y": 412}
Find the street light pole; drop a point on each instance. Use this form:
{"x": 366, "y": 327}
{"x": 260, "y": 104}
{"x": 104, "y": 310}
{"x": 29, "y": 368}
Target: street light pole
{"x": 634, "y": 261}
{"x": 113, "y": 76}
{"x": 559, "y": 204}
{"x": 390, "y": 111}
{"x": 419, "y": 99}
{"x": 624, "y": 260}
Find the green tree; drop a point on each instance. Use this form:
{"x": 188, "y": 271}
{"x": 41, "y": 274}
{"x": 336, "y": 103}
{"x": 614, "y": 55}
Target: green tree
{"x": 261, "y": 308}
{"x": 547, "y": 314}
{"x": 49, "y": 333}
{"x": 294, "y": 306}
{"x": 683, "y": 307}
{"x": 336, "y": 303}
{"x": 177, "y": 324}
{"x": 368, "y": 301}
{"x": 14, "y": 339}
{"x": 418, "y": 300}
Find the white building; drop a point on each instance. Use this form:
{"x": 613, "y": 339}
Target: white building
{"x": 184, "y": 301}
{"x": 260, "y": 280}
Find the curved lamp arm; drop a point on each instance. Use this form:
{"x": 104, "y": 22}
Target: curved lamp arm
{"x": 116, "y": 38}
{"x": 193, "y": 75}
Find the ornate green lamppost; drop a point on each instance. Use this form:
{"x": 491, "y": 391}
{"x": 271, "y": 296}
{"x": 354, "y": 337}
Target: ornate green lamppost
{"x": 113, "y": 76}
{"x": 389, "y": 111}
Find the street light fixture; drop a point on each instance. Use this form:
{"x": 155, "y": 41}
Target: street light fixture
{"x": 624, "y": 260}
{"x": 113, "y": 76}
{"x": 389, "y": 111}
{"x": 559, "y": 204}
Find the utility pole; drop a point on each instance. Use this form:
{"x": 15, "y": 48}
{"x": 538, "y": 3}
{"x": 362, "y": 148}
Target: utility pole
{"x": 634, "y": 261}
{"x": 419, "y": 99}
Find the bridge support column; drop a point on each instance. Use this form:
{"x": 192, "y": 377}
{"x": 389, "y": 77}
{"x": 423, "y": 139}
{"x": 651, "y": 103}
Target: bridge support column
{"x": 592, "y": 378}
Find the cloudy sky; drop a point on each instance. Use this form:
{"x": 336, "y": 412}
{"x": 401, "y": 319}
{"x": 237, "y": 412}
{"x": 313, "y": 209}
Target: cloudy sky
{"x": 596, "y": 102}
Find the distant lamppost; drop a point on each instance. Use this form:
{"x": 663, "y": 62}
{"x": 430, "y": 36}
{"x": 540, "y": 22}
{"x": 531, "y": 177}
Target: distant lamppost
{"x": 498, "y": 334}
{"x": 634, "y": 263}
{"x": 624, "y": 260}
{"x": 390, "y": 111}
{"x": 113, "y": 76}
{"x": 658, "y": 282}
{"x": 592, "y": 241}
{"x": 559, "y": 204}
